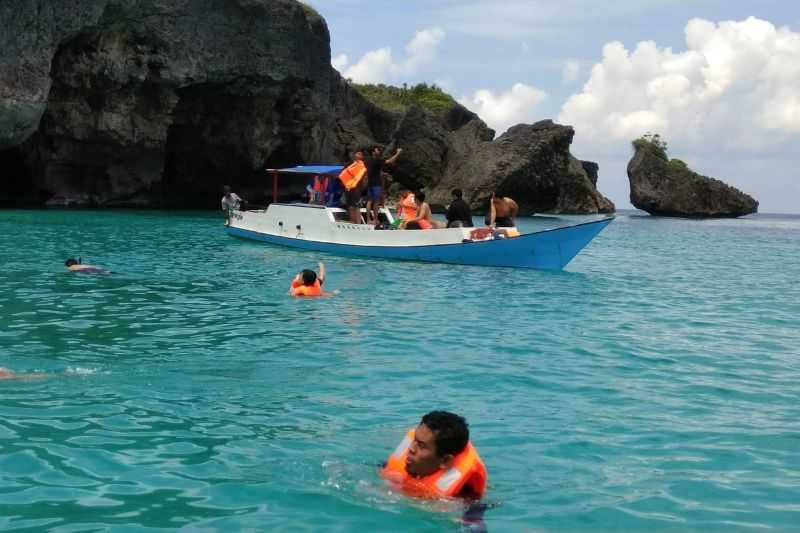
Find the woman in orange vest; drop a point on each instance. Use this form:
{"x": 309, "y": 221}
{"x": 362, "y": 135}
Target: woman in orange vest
{"x": 307, "y": 283}
{"x": 437, "y": 460}
{"x": 406, "y": 206}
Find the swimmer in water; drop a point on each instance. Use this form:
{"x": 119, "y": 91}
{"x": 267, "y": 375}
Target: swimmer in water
{"x": 8, "y": 374}
{"x": 75, "y": 265}
{"x": 308, "y": 283}
{"x": 437, "y": 460}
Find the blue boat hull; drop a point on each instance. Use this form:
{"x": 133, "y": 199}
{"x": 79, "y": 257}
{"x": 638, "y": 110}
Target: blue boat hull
{"x": 549, "y": 249}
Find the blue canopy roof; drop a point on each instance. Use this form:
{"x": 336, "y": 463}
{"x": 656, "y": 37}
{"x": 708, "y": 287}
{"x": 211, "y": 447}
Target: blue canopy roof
{"x": 310, "y": 169}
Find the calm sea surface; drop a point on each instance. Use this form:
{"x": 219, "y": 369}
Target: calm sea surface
{"x": 653, "y": 385}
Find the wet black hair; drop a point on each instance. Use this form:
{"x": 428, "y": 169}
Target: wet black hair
{"x": 71, "y": 261}
{"x": 457, "y": 193}
{"x": 420, "y": 196}
{"x": 309, "y": 277}
{"x": 413, "y": 225}
{"x": 450, "y": 431}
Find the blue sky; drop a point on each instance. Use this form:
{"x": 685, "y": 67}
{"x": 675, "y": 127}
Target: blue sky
{"x": 719, "y": 80}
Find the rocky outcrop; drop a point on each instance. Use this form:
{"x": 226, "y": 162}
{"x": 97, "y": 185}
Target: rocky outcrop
{"x": 530, "y": 163}
{"x": 160, "y": 102}
{"x": 135, "y": 102}
{"x": 669, "y": 188}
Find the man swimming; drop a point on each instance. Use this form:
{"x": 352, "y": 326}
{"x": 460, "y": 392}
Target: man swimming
{"x": 437, "y": 460}
{"x": 308, "y": 283}
{"x": 75, "y": 265}
{"x": 8, "y": 374}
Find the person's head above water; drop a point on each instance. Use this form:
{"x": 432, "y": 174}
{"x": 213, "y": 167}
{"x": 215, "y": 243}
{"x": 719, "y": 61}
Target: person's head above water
{"x": 439, "y": 437}
{"x": 309, "y": 277}
{"x": 70, "y": 262}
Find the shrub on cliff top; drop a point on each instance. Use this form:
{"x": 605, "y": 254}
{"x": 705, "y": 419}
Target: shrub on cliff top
{"x": 398, "y": 99}
{"x": 677, "y": 164}
{"x": 653, "y": 143}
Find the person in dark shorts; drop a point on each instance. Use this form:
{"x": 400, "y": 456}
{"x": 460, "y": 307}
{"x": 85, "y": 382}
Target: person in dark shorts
{"x": 459, "y": 215}
{"x": 376, "y": 181}
{"x": 353, "y": 178}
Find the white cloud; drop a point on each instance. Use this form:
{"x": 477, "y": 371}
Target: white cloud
{"x": 734, "y": 88}
{"x": 501, "y": 111}
{"x": 570, "y": 71}
{"x": 379, "y": 66}
{"x": 339, "y": 62}
{"x": 729, "y": 105}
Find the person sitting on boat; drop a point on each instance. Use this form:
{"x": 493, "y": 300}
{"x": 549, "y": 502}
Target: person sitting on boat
{"x": 502, "y": 212}
{"x": 406, "y": 206}
{"x": 459, "y": 215}
{"x": 317, "y": 190}
{"x": 230, "y": 203}
{"x": 308, "y": 283}
{"x": 352, "y": 177}
{"x": 333, "y": 196}
{"x": 423, "y": 216}
{"x": 437, "y": 460}
{"x": 76, "y": 265}
{"x": 375, "y": 181}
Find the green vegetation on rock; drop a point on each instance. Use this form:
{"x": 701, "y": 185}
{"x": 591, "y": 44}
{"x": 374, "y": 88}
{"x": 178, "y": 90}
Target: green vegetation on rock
{"x": 653, "y": 143}
{"x": 398, "y": 99}
{"x": 677, "y": 164}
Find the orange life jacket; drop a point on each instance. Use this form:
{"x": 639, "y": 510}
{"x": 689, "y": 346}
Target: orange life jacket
{"x": 299, "y": 289}
{"x": 351, "y": 176}
{"x": 424, "y": 224}
{"x": 467, "y": 471}
{"x": 320, "y": 184}
{"x": 408, "y": 208}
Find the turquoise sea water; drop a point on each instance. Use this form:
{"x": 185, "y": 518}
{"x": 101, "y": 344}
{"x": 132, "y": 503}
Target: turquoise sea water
{"x": 653, "y": 385}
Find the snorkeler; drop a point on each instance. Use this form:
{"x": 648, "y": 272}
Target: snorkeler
{"x": 308, "y": 283}
{"x": 8, "y": 374}
{"x": 437, "y": 460}
{"x": 75, "y": 265}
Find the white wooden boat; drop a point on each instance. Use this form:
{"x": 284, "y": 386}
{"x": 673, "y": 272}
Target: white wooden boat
{"x": 327, "y": 229}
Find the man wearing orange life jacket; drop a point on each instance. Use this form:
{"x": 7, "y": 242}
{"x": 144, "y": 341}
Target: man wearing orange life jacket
{"x": 437, "y": 460}
{"x": 352, "y": 177}
{"x": 307, "y": 283}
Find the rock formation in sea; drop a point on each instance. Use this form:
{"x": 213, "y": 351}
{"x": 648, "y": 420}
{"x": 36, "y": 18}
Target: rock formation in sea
{"x": 532, "y": 164}
{"x": 667, "y": 187}
{"x": 160, "y": 102}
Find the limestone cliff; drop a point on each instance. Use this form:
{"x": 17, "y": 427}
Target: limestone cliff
{"x": 668, "y": 188}
{"x": 160, "y": 102}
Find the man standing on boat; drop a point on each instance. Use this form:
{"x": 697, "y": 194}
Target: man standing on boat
{"x": 230, "y": 203}
{"x": 502, "y": 212}
{"x": 352, "y": 177}
{"x": 376, "y": 181}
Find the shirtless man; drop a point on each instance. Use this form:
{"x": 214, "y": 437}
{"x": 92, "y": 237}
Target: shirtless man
{"x": 502, "y": 212}
{"x": 74, "y": 265}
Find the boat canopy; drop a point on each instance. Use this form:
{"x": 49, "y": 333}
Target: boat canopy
{"x": 310, "y": 169}
{"x": 327, "y": 170}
